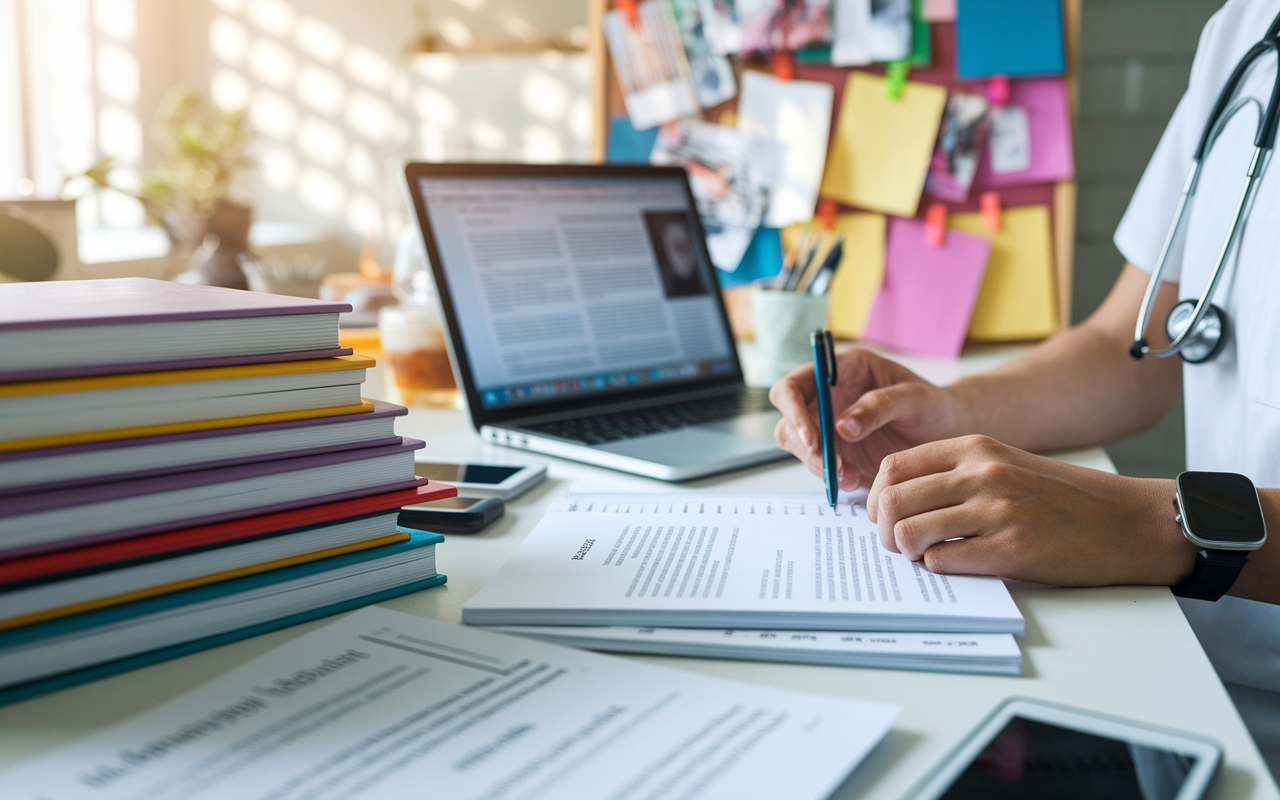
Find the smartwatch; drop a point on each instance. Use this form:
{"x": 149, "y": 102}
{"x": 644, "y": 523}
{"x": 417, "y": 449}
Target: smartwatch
{"x": 1220, "y": 513}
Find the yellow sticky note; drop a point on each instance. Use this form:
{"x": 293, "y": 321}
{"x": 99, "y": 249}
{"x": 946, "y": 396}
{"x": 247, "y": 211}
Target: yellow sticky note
{"x": 861, "y": 271}
{"x": 1017, "y": 300}
{"x": 882, "y": 146}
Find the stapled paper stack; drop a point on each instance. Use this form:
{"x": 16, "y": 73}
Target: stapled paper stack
{"x": 182, "y": 466}
{"x": 768, "y": 577}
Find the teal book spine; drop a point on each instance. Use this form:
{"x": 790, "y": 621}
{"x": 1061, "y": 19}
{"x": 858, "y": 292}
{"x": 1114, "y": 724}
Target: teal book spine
{"x": 25, "y": 691}
{"x": 153, "y": 605}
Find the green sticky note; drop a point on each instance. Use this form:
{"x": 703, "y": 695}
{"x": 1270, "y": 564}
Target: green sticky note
{"x": 814, "y": 55}
{"x": 921, "y": 36}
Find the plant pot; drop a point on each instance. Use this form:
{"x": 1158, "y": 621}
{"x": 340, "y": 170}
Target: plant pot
{"x": 226, "y": 238}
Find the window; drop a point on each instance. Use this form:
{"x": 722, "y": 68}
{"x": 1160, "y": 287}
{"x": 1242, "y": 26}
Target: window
{"x": 69, "y": 87}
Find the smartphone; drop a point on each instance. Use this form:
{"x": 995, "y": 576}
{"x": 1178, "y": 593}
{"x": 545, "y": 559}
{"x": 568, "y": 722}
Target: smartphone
{"x": 453, "y": 514}
{"x": 484, "y": 480}
{"x": 1033, "y": 749}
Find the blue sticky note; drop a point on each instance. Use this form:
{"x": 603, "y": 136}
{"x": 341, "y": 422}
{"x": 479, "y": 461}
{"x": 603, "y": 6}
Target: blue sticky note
{"x": 763, "y": 259}
{"x": 628, "y": 145}
{"x": 1009, "y": 37}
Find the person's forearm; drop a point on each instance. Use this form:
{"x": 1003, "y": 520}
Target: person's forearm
{"x": 1260, "y": 579}
{"x": 1079, "y": 389}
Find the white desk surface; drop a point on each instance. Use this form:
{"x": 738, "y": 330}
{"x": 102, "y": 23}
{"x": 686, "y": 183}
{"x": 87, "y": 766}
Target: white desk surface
{"x": 1125, "y": 651}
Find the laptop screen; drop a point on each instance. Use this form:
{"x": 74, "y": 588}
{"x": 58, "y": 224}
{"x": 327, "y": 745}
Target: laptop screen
{"x": 566, "y": 287}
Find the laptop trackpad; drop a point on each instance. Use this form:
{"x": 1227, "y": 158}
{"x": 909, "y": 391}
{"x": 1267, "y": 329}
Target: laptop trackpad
{"x": 688, "y": 446}
{"x": 748, "y": 426}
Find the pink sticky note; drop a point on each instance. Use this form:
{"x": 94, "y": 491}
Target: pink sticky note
{"x": 928, "y": 294}
{"x": 1049, "y": 118}
{"x": 939, "y": 10}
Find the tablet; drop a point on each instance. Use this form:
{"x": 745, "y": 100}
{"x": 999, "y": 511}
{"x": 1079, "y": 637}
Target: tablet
{"x": 1033, "y": 749}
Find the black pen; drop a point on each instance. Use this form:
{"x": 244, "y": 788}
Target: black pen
{"x": 822, "y": 278}
{"x": 824, "y": 375}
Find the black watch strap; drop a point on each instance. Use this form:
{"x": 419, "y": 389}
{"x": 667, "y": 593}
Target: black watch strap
{"x": 1214, "y": 572}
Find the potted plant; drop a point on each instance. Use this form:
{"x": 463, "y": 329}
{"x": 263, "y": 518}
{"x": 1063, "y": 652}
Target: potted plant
{"x": 203, "y": 154}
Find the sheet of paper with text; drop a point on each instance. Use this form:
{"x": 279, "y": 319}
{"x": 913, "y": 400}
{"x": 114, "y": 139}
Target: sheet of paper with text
{"x": 728, "y": 561}
{"x": 383, "y": 704}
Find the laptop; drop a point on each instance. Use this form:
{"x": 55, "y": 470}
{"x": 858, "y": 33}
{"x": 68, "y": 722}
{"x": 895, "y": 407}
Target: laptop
{"x": 585, "y": 320}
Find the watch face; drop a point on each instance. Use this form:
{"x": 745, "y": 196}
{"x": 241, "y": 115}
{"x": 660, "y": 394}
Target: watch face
{"x": 1221, "y": 507}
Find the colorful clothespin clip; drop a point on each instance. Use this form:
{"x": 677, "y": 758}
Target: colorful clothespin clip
{"x": 896, "y": 74}
{"x": 827, "y": 214}
{"x": 784, "y": 65}
{"x": 935, "y": 225}
{"x": 998, "y": 91}
{"x": 631, "y": 10}
{"x": 990, "y": 205}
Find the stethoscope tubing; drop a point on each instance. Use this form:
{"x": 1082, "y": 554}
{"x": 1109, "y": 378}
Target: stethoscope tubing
{"x": 1264, "y": 143}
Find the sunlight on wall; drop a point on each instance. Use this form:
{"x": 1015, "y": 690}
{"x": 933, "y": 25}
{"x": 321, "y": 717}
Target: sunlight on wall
{"x": 82, "y": 89}
{"x": 338, "y": 117}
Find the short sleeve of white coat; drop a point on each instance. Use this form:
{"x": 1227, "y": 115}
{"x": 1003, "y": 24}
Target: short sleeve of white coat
{"x": 1145, "y": 225}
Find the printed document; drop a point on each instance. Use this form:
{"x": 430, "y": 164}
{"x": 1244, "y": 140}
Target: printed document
{"x": 978, "y": 653}
{"x": 699, "y": 560}
{"x": 382, "y": 704}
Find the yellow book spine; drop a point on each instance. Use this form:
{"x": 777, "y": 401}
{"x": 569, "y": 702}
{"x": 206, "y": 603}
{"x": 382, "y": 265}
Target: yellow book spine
{"x": 98, "y": 382}
{"x": 191, "y": 583}
{"x": 138, "y": 432}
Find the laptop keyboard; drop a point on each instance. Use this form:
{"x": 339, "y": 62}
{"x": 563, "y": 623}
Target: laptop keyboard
{"x": 618, "y": 425}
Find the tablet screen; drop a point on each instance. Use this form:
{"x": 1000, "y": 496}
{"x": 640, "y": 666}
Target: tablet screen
{"x": 1030, "y": 759}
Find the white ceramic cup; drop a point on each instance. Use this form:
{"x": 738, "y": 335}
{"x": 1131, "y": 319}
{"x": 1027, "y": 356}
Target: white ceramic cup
{"x": 783, "y": 324}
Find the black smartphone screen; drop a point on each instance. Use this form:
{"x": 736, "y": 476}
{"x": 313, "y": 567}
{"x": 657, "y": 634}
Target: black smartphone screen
{"x": 1031, "y": 759}
{"x": 465, "y": 473}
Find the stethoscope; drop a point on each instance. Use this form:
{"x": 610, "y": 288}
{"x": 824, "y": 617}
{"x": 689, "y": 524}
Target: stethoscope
{"x": 1198, "y": 328}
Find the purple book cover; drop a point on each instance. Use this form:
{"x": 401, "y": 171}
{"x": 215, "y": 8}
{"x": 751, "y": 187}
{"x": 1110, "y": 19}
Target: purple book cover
{"x": 381, "y": 410}
{"x": 116, "y": 301}
{"x": 76, "y": 496}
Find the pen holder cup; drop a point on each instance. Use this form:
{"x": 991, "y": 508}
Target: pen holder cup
{"x": 783, "y": 324}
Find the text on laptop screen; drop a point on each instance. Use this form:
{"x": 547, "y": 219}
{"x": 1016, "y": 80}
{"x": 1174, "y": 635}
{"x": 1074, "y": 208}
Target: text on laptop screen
{"x": 565, "y": 287}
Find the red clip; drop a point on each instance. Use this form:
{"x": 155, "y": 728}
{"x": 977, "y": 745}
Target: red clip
{"x": 990, "y": 204}
{"x": 827, "y": 215}
{"x": 631, "y": 10}
{"x": 935, "y": 225}
{"x": 784, "y": 65}
{"x": 998, "y": 91}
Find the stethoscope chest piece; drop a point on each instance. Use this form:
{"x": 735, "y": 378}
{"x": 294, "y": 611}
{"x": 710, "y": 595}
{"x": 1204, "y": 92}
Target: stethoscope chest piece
{"x": 1210, "y": 334}
{"x": 1197, "y": 329}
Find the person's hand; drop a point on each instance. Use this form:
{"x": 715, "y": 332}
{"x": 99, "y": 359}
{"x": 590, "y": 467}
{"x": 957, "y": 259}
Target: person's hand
{"x": 880, "y": 407}
{"x": 1026, "y": 517}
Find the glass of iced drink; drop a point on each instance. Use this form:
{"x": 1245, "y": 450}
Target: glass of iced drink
{"x": 415, "y": 356}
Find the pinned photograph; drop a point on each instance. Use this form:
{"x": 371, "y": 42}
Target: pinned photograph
{"x": 657, "y": 84}
{"x": 868, "y": 31}
{"x": 720, "y": 23}
{"x": 712, "y": 73}
{"x": 730, "y": 172}
{"x": 769, "y": 25}
{"x": 671, "y": 237}
{"x": 1010, "y": 140}
{"x": 959, "y": 148}
{"x": 797, "y": 115}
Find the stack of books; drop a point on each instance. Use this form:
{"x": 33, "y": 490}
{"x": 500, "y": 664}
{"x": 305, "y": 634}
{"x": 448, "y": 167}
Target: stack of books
{"x": 184, "y": 466}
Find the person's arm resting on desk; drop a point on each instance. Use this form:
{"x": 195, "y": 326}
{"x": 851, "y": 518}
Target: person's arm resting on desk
{"x": 948, "y": 462}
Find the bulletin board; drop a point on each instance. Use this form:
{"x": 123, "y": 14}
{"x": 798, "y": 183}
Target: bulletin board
{"x": 1059, "y": 196}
